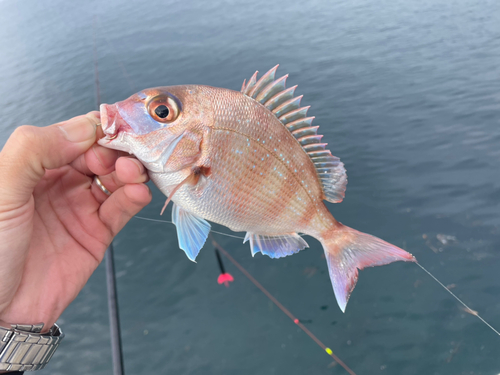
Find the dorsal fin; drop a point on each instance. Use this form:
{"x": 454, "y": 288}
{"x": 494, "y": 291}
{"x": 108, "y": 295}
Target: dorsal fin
{"x": 274, "y": 95}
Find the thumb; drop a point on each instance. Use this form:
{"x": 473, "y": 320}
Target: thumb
{"x": 31, "y": 150}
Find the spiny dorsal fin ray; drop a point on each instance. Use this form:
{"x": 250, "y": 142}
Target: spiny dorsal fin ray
{"x": 271, "y": 89}
{"x": 263, "y": 82}
{"x": 274, "y": 95}
{"x": 308, "y": 139}
{"x": 293, "y": 115}
{"x": 315, "y": 147}
{"x": 289, "y": 105}
{"x": 250, "y": 84}
{"x": 302, "y": 132}
{"x": 280, "y": 98}
{"x": 300, "y": 123}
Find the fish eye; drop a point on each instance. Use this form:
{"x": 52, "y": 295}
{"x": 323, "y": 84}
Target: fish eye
{"x": 163, "y": 109}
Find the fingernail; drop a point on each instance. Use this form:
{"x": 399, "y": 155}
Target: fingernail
{"x": 78, "y": 130}
{"x": 139, "y": 165}
{"x": 94, "y": 114}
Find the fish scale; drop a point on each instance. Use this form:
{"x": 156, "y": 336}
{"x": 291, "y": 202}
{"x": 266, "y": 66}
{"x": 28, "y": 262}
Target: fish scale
{"x": 249, "y": 160}
{"x": 274, "y": 153}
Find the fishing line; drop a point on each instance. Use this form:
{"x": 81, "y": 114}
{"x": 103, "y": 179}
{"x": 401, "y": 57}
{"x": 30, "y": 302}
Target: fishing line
{"x": 169, "y": 222}
{"x": 114, "y": 318}
{"x": 115, "y": 55}
{"x": 468, "y": 309}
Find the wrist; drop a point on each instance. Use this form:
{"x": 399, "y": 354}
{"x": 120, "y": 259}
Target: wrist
{"x": 24, "y": 348}
{"x": 33, "y": 312}
{"x": 44, "y": 328}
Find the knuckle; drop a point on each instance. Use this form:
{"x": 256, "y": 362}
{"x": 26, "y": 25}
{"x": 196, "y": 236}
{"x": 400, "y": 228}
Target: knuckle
{"x": 26, "y": 136}
{"x": 21, "y": 147}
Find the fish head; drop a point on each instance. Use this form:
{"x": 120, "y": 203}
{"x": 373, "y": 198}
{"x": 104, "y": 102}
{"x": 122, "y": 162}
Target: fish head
{"x": 151, "y": 122}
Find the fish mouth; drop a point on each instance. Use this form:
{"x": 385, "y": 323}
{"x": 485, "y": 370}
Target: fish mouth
{"x": 111, "y": 122}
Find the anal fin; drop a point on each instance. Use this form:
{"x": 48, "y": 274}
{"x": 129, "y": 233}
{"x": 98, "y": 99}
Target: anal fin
{"x": 192, "y": 231}
{"x": 276, "y": 246}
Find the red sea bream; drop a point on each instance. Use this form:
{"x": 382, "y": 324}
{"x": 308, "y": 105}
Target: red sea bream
{"x": 249, "y": 160}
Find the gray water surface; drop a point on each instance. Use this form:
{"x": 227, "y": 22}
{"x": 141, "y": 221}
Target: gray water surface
{"x": 407, "y": 94}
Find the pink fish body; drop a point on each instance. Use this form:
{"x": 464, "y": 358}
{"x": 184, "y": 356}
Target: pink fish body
{"x": 249, "y": 160}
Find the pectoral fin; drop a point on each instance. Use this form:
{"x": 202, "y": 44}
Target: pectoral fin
{"x": 192, "y": 231}
{"x": 192, "y": 177}
{"x": 276, "y": 246}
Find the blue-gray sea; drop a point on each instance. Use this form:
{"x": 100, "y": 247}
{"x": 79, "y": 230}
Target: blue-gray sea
{"x": 406, "y": 93}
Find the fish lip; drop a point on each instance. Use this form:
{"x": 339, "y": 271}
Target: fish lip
{"x": 104, "y": 119}
{"x": 104, "y": 115}
{"x": 109, "y": 113}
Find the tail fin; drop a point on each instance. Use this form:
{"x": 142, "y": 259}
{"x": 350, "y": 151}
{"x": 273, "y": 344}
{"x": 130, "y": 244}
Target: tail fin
{"x": 348, "y": 250}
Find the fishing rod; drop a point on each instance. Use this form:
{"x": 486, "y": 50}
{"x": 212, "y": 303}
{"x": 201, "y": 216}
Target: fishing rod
{"x": 277, "y": 303}
{"x": 114, "y": 318}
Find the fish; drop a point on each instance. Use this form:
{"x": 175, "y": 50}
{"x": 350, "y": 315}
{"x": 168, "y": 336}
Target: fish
{"x": 250, "y": 160}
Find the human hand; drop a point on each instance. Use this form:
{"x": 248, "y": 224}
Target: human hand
{"x": 55, "y": 223}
